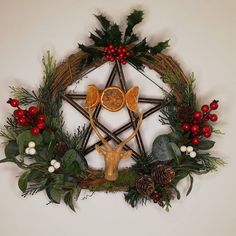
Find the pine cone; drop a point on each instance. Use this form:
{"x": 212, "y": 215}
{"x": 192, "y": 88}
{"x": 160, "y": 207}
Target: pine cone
{"x": 170, "y": 192}
{"x": 145, "y": 185}
{"x": 156, "y": 197}
{"x": 185, "y": 113}
{"x": 60, "y": 148}
{"x": 162, "y": 174}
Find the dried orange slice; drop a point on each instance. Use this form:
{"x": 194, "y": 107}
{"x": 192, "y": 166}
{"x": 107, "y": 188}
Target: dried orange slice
{"x": 113, "y": 98}
{"x": 131, "y": 98}
{"x": 92, "y": 97}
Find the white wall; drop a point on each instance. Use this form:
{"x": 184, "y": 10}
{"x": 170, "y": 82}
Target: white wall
{"x": 203, "y": 38}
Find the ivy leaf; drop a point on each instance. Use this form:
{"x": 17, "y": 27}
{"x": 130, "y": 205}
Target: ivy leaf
{"x": 68, "y": 199}
{"x": 133, "y": 19}
{"x": 159, "y": 47}
{"x": 11, "y": 150}
{"x": 103, "y": 21}
{"x": 206, "y": 144}
{"x": 25, "y": 137}
{"x": 23, "y": 180}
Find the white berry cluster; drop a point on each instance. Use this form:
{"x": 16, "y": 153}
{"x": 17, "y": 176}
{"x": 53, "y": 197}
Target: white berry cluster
{"x": 188, "y": 150}
{"x": 54, "y": 166}
{"x": 30, "y": 150}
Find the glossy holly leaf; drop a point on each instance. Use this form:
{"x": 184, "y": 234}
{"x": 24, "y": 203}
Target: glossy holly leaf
{"x": 159, "y": 47}
{"x": 133, "y": 19}
{"x": 103, "y": 21}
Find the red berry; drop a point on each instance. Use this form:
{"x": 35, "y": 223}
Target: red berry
{"x": 123, "y": 62}
{"x": 186, "y": 127}
{"x": 110, "y": 46}
{"x": 41, "y": 125}
{"x": 112, "y": 50}
{"x": 214, "y": 105}
{"x": 112, "y": 59}
{"x": 105, "y": 49}
{"x": 195, "y": 129}
{"x": 213, "y": 117}
{"x": 127, "y": 54}
{"x": 207, "y": 134}
{"x": 33, "y": 110}
{"x": 21, "y": 121}
{"x": 197, "y": 115}
{"x": 206, "y": 129}
{"x": 206, "y": 119}
{"x": 19, "y": 113}
{"x": 124, "y": 50}
{"x": 35, "y": 130}
{"x": 205, "y": 108}
{"x": 195, "y": 140}
{"x": 196, "y": 121}
{"x": 119, "y": 50}
{"x": 13, "y": 102}
{"x": 41, "y": 117}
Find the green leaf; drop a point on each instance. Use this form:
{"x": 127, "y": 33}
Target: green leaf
{"x": 25, "y": 137}
{"x": 72, "y": 159}
{"x": 48, "y": 136}
{"x": 103, "y": 21}
{"x": 206, "y": 145}
{"x": 23, "y": 180}
{"x": 175, "y": 149}
{"x": 54, "y": 194}
{"x": 97, "y": 41}
{"x": 115, "y": 35}
{"x": 191, "y": 185}
{"x": 68, "y": 199}
{"x": 159, "y": 47}
{"x": 141, "y": 46}
{"x": 133, "y": 19}
{"x": 11, "y": 150}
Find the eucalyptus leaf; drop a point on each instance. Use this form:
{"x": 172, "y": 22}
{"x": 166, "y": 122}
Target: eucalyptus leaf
{"x": 161, "y": 150}
{"x": 23, "y": 180}
{"x": 11, "y": 150}
{"x": 55, "y": 194}
{"x": 68, "y": 199}
{"x": 25, "y": 137}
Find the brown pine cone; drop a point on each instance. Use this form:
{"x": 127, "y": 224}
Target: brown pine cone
{"x": 60, "y": 148}
{"x": 156, "y": 197}
{"x": 170, "y": 192}
{"x": 185, "y": 113}
{"x": 145, "y": 185}
{"x": 162, "y": 174}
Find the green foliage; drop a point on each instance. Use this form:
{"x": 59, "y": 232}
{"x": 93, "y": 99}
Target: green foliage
{"x": 206, "y": 144}
{"x": 23, "y": 180}
{"x": 159, "y": 47}
{"x": 25, "y": 137}
{"x": 11, "y": 150}
{"x": 134, "y": 198}
{"x": 143, "y": 164}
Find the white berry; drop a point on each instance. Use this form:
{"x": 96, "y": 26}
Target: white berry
{"x": 51, "y": 169}
{"x": 189, "y": 149}
{"x": 192, "y": 154}
{"x": 183, "y": 148}
{"x": 53, "y": 162}
{"x": 57, "y": 165}
{"x": 32, "y": 151}
{"x": 27, "y": 150}
{"x": 31, "y": 144}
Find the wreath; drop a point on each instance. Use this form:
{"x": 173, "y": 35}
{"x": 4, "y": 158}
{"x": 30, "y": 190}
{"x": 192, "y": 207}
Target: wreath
{"x": 54, "y": 160}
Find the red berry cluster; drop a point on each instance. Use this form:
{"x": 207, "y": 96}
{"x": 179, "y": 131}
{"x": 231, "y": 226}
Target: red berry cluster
{"x": 198, "y": 125}
{"x": 116, "y": 53}
{"x": 30, "y": 117}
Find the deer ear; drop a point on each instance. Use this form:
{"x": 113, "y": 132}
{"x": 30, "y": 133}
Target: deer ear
{"x": 100, "y": 150}
{"x": 126, "y": 154}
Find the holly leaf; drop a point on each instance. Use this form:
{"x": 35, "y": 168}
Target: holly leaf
{"x": 25, "y": 137}
{"x": 23, "y": 180}
{"x": 115, "y": 35}
{"x": 103, "y": 21}
{"x": 141, "y": 46}
{"x": 11, "y": 150}
{"x": 206, "y": 144}
{"x": 159, "y": 47}
{"x": 133, "y": 19}
{"x": 97, "y": 41}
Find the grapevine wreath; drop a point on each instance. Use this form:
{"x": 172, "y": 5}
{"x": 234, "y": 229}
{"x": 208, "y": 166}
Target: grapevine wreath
{"x": 55, "y": 161}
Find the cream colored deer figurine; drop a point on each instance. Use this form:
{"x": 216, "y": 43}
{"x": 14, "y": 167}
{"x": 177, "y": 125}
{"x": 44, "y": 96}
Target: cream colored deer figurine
{"x": 113, "y": 155}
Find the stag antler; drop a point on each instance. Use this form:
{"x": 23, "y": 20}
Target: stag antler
{"x": 111, "y": 155}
